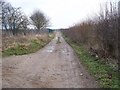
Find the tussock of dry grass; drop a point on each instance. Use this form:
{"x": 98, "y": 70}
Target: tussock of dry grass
{"x": 19, "y": 45}
{"x": 8, "y": 42}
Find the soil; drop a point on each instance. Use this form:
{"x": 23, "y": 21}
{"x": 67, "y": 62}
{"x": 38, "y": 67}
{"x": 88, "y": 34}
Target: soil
{"x": 54, "y": 66}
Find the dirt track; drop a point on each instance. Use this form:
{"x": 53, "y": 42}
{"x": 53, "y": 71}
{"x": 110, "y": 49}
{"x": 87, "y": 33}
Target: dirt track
{"x": 54, "y": 66}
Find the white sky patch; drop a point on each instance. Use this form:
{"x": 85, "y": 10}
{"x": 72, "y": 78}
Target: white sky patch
{"x": 62, "y": 13}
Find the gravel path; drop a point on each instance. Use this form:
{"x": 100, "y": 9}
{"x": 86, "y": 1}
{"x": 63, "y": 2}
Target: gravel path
{"x": 54, "y": 66}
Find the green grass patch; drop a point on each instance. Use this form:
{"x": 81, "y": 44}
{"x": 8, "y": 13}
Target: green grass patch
{"x": 104, "y": 74}
{"x": 20, "y": 49}
{"x": 31, "y": 47}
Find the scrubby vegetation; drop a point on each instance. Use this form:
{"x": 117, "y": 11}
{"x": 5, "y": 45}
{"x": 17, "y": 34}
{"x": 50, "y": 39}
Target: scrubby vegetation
{"x": 105, "y": 73}
{"x": 24, "y": 45}
{"x": 98, "y": 37}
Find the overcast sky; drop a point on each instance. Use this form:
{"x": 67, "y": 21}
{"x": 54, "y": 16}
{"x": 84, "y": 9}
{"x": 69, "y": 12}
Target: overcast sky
{"x": 62, "y": 13}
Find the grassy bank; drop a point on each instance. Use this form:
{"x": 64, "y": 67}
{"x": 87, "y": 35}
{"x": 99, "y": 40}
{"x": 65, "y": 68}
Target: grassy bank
{"x": 104, "y": 73}
{"x": 24, "y": 45}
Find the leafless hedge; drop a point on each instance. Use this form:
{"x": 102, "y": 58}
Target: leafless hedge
{"x": 99, "y": 35}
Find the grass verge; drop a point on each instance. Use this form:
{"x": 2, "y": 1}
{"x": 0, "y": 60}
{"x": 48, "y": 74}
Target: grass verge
{"x": 104, "y": 74}
{"x": 27, "y": 47}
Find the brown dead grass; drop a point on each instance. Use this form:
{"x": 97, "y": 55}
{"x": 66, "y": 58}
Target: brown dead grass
{"x": 12, "y": 41}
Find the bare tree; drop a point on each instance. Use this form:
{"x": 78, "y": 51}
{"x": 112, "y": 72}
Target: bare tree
{"x": 39, "y": 20}
{"x": 13, "y": 19}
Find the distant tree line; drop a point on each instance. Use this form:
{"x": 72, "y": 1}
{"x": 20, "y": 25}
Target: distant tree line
{"x": 100, "y": 34}
{"x": 15, "y": 22}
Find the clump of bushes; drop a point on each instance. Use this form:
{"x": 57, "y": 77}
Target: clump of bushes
{"x": 99, "y": 35}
